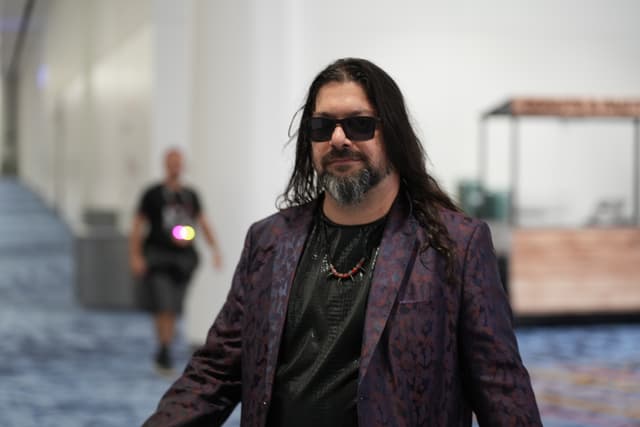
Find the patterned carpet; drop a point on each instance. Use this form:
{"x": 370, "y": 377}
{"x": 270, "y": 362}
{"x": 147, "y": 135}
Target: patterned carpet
{"x": 585, "y": 376}
{"x": 62, "y": 365}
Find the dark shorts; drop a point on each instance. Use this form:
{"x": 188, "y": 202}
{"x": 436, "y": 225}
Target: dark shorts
{"x": 164, "y": 286}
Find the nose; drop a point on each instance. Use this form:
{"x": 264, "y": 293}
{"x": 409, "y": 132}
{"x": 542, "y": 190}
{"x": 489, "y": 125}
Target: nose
{"x": 339, "y": 138}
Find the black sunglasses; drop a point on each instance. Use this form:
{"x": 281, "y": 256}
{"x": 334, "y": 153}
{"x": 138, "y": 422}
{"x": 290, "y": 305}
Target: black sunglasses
{"x": 356, "y": 128}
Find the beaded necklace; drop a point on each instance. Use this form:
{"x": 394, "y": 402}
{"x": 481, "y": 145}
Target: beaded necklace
{"x": 333, "y": 271}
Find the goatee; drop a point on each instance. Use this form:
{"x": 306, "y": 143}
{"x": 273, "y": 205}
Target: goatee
{"x": 349, "y": 190}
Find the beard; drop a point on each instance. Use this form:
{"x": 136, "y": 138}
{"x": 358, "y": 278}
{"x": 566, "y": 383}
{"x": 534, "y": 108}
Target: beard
{"x": 350, "y": 190}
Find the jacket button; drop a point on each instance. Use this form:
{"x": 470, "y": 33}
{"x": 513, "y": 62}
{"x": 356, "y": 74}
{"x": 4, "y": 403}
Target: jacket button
{"x": 264, "y": 403}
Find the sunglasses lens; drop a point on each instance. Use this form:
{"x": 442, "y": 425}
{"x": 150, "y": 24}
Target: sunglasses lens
{"x": 321, "y": 128}
{"x": 359, "y": 128}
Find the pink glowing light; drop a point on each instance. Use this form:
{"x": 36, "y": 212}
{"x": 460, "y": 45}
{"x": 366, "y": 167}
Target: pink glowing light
{"x": 183, "y": 232}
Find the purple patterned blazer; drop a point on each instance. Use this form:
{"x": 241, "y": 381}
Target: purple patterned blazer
{"x": 432, "y": 351}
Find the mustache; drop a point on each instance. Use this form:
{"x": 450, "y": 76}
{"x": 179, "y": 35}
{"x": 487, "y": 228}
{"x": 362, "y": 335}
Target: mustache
{"x": 346, "y": 154}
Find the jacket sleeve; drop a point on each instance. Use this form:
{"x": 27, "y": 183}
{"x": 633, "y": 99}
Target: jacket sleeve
{"x": 496, "y": 380}
{"x": 210, "y": 386}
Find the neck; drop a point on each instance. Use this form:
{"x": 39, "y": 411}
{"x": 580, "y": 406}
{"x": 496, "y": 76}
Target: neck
{"x": 172, "y": 183}
{"x": 376, "y": 204}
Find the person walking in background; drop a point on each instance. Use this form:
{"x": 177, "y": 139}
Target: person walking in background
{"x": 369, "y": 299}
{"x": 164, "y": 258}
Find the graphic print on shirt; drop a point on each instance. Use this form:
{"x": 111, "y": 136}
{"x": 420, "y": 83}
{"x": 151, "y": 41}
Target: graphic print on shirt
{"x": 178, "y": 217}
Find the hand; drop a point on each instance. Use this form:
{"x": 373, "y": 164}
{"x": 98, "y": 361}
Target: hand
{"x": 217, "y": 260}
{"x": 138, "y": 265}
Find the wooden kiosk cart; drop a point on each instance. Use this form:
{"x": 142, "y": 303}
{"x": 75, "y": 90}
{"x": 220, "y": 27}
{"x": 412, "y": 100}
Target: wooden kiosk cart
{"x": 560, "y": 272}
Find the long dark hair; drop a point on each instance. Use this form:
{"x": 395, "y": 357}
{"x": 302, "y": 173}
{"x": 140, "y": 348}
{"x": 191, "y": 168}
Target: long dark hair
{"x": 401, "y": 145}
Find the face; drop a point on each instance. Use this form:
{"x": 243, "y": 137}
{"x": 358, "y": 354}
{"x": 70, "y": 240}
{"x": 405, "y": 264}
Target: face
{"x": 347, "y": 169}
{"x": 173, "y": 164}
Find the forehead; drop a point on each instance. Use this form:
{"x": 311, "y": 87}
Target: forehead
{"x": 173, "y": 156}
{"x": 342, "y": 98}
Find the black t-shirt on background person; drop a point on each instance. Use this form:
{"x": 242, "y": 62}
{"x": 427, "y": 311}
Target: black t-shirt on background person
{"x": 164, "y": 209}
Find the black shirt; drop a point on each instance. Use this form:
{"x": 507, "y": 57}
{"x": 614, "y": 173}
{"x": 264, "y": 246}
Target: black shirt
{"x": 165, "y": 209}
{"x": 317, "y": 373}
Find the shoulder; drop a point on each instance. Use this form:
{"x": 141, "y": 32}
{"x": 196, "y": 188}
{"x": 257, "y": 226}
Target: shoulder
{"x": 153, "y": 188}
{"x": 190, "y": 190}
{"x": 283, "y": 221}
{"x": 461, "y": 227}
{"x": 152, "y": 191}
{"x": 284, "y": 224}
{"x": 468, "y": 236}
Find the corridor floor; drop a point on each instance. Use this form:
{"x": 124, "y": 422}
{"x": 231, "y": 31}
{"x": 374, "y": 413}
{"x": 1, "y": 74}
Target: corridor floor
{"x": 64, "y": 365}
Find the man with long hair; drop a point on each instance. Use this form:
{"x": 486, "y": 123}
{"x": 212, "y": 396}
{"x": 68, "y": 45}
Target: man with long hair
{"x": 369, "y": 299}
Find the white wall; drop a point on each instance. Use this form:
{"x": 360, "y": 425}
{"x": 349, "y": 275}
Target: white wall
{"x": 172, "y": 95}
{"x": 240, "y": 70}
{"x": 85, "y": 105}
{"x": 2, "y": 121}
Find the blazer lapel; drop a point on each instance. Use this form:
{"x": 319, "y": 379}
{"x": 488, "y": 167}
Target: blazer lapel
{"x": 288, "y": 251}
{"x": 398, "y": 249}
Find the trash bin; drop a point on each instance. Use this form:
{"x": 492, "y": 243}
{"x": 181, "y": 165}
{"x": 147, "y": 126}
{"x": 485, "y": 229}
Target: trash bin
{"x": 102, "y": 277}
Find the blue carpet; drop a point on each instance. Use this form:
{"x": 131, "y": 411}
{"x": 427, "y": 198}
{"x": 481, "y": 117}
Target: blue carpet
{"x": 585, "y": 376}
{"x": 64, "y": 366}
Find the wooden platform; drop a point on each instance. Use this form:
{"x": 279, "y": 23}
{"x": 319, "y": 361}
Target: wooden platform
{"x": 575, "y": 271}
